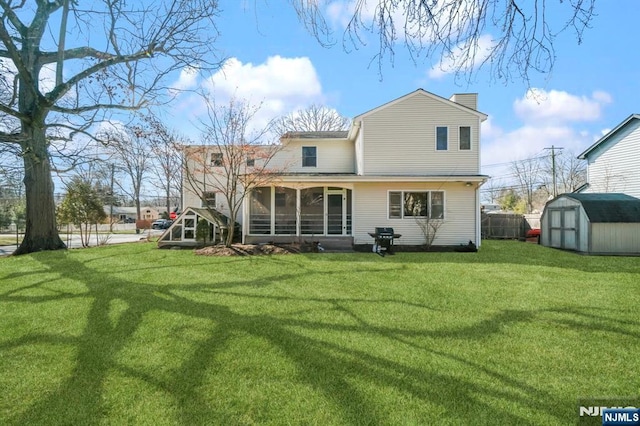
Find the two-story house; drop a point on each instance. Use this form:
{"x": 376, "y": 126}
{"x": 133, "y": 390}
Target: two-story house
{"x": 411, "y": 162}
{"x": 613, "y": 161}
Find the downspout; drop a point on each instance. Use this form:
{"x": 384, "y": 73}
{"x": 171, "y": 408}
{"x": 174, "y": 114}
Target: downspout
{"x": 477, "y": 216}
{"x": 245, "y": 218}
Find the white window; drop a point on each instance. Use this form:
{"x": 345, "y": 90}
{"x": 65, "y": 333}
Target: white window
{"x": 309, "y": 156}
{"x": 413, "y": 204}
{"x": 465, "y": 138}
{"x": 442, "y": 138}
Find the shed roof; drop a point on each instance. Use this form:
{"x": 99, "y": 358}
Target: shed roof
{"x": 609, "y": 207}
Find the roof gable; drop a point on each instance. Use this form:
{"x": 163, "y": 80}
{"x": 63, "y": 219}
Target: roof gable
{"x": 422, "y": 92}
{"x": 627, "y": 126}
{"x": 609, "y": 207}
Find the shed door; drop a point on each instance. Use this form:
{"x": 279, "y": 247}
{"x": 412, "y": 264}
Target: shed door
{"x": 564, "y": 227}
{"x": 569, "y": 228}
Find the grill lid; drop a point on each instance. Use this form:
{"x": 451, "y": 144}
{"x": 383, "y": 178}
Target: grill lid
{"x": 384, "y": 231}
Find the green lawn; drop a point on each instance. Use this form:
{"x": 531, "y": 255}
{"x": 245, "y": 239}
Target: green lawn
{"x": 130, "y": 334}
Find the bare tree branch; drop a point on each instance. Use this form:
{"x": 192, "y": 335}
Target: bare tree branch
{"x": 315, "y": 118}
{"x": 125, "y": 66}
{"x": 513, "y": 38}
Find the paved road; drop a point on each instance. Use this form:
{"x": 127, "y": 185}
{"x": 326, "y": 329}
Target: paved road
{"x": 74, "y": 240}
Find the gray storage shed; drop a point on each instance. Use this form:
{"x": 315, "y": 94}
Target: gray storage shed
{"x": 592, "y": 223}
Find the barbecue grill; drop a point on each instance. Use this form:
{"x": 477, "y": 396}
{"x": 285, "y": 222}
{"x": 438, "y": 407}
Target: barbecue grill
{"x": 383, "y": 240}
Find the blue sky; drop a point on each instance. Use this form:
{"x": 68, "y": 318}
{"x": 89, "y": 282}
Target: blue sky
{"x": 274, "y": 60}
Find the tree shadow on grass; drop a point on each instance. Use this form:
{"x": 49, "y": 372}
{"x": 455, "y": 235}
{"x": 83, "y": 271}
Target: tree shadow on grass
{"x": 332, "y": 370}
{"x": 508, "y": 253}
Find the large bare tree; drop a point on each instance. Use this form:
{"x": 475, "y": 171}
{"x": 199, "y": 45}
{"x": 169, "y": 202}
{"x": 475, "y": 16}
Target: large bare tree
{"x": 100, "y": 56}
{"x": 512, "y": 37}
{"x": 165, "y": 146}
{"x": 314, "y": 118}
{"x": 133, "y": 157}
{"x": 570, "y": 171}
{"x": 233, "y": 159}
{"x": 529, "y": 175}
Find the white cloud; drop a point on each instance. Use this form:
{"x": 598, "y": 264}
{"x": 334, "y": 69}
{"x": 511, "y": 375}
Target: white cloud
{"x": 556, "y": 106}
{"x": 47, "y": 78}
{"x": 340, "y": 12}
{"x": 187, "y": 80}
{"x": 548, "y": 119}
{"x": 281, "y": 85}
{"x": 283, "y": 79}
{"x": 464, "y": 58}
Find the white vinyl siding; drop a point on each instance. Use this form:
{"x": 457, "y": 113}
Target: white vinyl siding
{"x": 401, "y": 138}
{"x": 333, "y": 156}
{"x": 458, "y": 227}
{"x": 617, "y": 169}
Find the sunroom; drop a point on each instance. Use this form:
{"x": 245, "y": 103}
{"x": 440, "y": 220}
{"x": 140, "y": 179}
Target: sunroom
{"x": 282, "y": 214}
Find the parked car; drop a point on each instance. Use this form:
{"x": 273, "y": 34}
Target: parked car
{"x": 161, "y": 224}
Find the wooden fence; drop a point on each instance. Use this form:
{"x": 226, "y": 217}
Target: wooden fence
{"x": 508, "y": 225}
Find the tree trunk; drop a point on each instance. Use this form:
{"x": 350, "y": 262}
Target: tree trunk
{"x": 41, "y": 227}
{"x": 168, "y": 200}
{"x": 231, "y": 227}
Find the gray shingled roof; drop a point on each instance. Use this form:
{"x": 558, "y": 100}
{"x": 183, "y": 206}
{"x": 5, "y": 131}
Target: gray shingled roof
{"x": 609, "y": 208}
{"x": 317, "y": 135}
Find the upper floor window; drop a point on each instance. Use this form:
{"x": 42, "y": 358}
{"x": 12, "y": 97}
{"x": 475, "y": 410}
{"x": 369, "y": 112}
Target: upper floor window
{"x": 416, "y": 204}
{"x": 442, "y": 138}
{"x": 465, "y": 138}
{"x": 216, "y": 159}
{"x": 209, "y": 199}
{"x": 251, "y": 162}
{"x": 309, "y": 156}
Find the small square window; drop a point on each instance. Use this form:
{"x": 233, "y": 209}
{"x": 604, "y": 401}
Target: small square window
{"x": 251, "y": 162}
{"x": 309, "y": 156}
{"x": 442, "y": 138}
{"x": 209, "y": 199}
{"x": 465, "y": 138}
{"x": 216, "y": 159}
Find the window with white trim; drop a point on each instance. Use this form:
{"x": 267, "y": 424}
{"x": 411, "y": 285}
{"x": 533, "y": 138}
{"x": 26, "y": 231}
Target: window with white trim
{"x": 465, "y": 138}
{"x": 412, "y": 204}
{"x": 442, "y": 138}
{"x": 209, "y": 199}
{"x": 309, "y": 156}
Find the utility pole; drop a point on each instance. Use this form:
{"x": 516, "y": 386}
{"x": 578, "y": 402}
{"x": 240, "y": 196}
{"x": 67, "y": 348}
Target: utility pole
{"x": 113, "y": 166}
{"x": 553, "y": 168}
